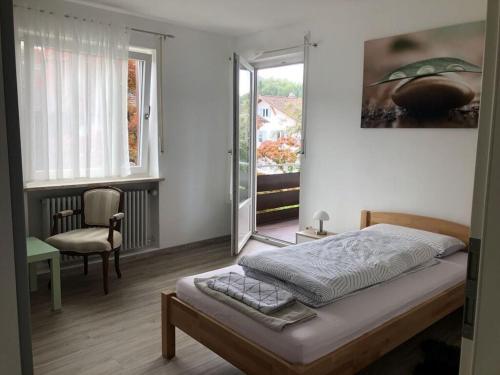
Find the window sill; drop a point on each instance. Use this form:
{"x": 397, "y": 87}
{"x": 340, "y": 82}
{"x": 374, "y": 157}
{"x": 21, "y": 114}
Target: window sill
{"x": 63, "y": 184}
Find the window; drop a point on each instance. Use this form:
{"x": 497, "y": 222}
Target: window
{"x": 138, "y": 110}
{"x": 265, "y": 112}
{"x": 71, "y": 78}
{"x": 85, "y": 99}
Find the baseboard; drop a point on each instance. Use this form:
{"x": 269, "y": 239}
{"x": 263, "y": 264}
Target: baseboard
{"x": 144, "y": 253}
{"x": 132, "y": 255}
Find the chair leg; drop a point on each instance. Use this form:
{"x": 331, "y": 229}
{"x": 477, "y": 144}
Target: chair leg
{"x": 85, "y": 264}
{"x": 117, "y": 263}
{"x": 49, "y": 285}
{"x": 105, "y": 266}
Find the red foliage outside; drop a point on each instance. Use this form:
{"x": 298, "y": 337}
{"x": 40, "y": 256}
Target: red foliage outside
{"x": 282, "y": 151}
{"x": 132, "y": 112}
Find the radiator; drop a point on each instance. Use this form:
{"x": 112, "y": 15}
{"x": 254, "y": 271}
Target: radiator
{"x": 134, "y": 225}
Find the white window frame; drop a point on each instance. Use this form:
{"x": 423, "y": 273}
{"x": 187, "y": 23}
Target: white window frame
{"x": 145, "y": 100}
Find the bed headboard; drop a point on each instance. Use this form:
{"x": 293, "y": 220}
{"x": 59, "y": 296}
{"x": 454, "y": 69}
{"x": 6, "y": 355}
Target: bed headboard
{"x": 429, "y": 224}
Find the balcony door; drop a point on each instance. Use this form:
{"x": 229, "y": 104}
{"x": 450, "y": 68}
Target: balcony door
{"x": 278, "y": 149}
{"x": 242, "y": 154}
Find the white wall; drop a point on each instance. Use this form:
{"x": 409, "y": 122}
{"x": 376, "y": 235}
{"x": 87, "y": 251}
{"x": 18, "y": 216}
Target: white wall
{"x": 194, "y": 198}
{"x": 346, "y": 169}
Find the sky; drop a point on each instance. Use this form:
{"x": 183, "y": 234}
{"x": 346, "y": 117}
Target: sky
{"x": 292, "y": 73}
{"x": 244, "y": 82}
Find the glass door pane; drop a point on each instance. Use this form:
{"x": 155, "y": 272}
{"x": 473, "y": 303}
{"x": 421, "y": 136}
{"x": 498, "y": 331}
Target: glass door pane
{"x": 242, "y": 177}
{"x": 245, "y": 117}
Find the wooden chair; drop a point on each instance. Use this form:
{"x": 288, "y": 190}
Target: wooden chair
{"x": 101, "y": 217}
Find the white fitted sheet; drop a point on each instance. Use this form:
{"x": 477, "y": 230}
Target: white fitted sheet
{"x": 339, "y": 322}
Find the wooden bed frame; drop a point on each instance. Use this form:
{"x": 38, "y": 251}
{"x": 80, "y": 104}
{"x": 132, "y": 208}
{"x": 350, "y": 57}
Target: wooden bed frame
{"x": 253, "y": 359}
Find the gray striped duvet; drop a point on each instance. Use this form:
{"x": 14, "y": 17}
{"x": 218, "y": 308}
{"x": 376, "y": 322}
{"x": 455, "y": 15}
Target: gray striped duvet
{"x": 319, "y": 272}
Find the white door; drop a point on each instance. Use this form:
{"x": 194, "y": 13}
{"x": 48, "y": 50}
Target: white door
{"x": 242, "y": 154}
{"x": 481, "y": 329}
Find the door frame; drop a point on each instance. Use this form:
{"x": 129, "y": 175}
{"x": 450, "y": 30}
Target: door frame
{"x": 13, "y": 216}
{"x": 257, "y": 67}
{"x": 482, "y": 308}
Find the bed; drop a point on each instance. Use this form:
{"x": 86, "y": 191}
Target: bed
{"x": 346, "y": 336}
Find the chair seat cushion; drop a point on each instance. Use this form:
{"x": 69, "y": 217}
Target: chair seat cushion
{"x": 85, "y": 240}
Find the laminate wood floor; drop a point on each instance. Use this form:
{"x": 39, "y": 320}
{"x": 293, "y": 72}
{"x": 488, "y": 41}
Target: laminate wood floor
{"x": 119, "y": 333}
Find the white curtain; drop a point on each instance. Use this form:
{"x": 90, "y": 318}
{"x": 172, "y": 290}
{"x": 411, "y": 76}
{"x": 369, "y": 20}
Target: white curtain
{"x": 72, "y": 86}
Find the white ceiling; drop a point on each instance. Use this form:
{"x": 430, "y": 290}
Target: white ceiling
{"x": 231, "y": 17}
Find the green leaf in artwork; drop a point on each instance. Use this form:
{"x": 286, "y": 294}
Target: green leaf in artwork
{"x": 429, "y": 67}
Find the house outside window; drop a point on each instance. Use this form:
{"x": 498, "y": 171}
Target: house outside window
{"x": 278, "y": 137}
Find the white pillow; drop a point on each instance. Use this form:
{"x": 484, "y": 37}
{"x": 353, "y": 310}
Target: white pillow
{"x": 444, "y": 245}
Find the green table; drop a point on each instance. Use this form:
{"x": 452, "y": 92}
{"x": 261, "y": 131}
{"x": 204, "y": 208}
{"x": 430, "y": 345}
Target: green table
{"x": 39, "y": 251}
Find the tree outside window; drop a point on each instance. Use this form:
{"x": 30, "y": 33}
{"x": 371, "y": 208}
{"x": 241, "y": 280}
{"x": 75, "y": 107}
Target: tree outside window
{"x": 133, "y": 112}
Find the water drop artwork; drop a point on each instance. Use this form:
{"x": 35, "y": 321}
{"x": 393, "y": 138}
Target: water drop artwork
{"x": 428, "y": 79}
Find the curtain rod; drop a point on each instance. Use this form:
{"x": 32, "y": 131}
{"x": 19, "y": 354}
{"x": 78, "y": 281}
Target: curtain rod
{"x": 152, "y": 32}
{"x": 92, "y": 20}
{"x": 66, "y": 15}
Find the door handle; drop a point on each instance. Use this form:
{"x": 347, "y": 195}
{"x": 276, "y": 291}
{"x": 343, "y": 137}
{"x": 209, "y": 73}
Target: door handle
{"x": 469, "y": 315}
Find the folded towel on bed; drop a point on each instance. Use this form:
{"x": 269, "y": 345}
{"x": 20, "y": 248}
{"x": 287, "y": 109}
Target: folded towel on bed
{"x": 261, "y": 296}
{"x": 293, "y": 313}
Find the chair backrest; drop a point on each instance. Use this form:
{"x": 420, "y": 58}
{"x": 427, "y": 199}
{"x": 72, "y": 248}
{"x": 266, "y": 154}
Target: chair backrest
{"x": 100, "y": 204}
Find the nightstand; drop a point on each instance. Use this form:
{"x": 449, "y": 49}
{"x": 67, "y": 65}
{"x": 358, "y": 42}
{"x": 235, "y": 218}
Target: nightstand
{"x": 309, "y": 234}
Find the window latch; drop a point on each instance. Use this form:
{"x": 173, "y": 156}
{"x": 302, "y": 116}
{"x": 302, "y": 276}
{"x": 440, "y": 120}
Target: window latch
{"x": 147, "y": 115}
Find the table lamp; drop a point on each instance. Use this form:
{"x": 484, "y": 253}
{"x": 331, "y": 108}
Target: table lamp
{"x": 321, "y": 216}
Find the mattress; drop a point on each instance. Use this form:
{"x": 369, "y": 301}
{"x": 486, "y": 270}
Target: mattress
{"x": 339, "y": 322}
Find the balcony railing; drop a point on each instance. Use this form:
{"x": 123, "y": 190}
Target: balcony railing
{"x": 266, "y": 168}
{"x": 277, "y": 197}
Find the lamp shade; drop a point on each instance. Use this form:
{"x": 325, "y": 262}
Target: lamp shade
{"x": 321, "y": 215}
